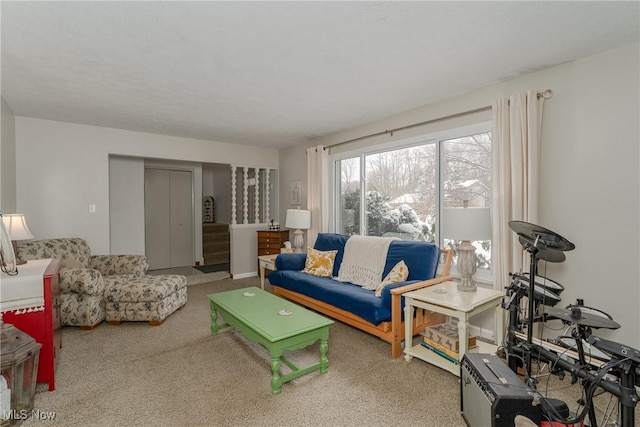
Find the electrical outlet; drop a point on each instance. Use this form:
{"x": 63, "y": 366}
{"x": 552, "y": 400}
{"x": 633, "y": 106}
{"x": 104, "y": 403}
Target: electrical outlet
{"x": 92, "y": 208}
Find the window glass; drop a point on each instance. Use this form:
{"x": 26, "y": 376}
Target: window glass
{"x": 401, "y": 191}
{"x": 349, "y": 196}
{"x": 466, "y": 177}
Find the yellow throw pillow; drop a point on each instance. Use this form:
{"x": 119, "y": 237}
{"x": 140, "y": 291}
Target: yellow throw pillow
{"x": 398, "y": 273}
{"x": 319, "y": 263}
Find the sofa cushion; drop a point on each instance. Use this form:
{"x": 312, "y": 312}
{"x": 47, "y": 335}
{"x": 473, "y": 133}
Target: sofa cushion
{"x": 319, "y": 263}
{"x": 398, "y": 273}
{"x": 421, "y": 258}
{"x": 344, "y": 295}
{"x": 294, "y": 261}
{"x": 330, "y": 242}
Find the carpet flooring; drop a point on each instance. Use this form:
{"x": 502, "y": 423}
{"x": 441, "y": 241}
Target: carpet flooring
{"x": 177, "y": 374}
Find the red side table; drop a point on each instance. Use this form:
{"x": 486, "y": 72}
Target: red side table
{"x": 31, "y": 302}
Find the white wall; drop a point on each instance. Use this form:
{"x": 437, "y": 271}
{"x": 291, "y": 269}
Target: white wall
{"x": 222, "y": 193}
{"x": 590, "y": 181}
{"x": 126, "y": 205}
{"x": 244, "y": 250}
{"x": 207, "y": 180}
{"x": 63, "y": 167}
{"x": 8, "y": 161}
{"x": 294, "y": 168}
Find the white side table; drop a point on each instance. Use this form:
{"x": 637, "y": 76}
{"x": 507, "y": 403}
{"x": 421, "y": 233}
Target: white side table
{"x": 266, "y": 262}
{"x": 446, "y": 299}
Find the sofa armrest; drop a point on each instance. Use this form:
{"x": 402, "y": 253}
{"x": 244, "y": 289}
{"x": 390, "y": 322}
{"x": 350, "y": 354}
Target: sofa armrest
{"x": 110, "y": 265}
{"x": 85, "y": 281}
{"x": 294, "y": 262}
{"x": 398, "y": 290}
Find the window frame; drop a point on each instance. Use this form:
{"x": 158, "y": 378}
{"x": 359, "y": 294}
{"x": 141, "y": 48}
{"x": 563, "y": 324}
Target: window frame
{"x": 437, "y": 138}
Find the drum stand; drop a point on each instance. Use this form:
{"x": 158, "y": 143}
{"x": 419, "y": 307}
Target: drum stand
{"x": 541, "y": 244}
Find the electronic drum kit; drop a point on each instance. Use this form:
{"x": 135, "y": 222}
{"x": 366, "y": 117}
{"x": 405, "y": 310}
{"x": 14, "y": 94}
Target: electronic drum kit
{"x": 546, "y": 245}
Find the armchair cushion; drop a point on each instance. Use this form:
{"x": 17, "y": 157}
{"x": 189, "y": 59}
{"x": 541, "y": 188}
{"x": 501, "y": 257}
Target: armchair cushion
{"x": 110, "y": 265}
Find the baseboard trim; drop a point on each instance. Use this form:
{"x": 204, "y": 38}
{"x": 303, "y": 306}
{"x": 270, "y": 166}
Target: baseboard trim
{"x": 244, "y": 275}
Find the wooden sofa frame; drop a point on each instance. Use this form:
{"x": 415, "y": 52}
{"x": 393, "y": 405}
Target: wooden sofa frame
{"x": 392, "y": 332}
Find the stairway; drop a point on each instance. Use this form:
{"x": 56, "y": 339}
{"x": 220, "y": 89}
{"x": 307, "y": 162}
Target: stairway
{"x": 215, "y": 243}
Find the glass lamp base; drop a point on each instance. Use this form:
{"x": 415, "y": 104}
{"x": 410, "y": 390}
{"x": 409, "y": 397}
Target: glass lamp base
{"x": 466, "y": 266}
{"x": 298, "y": 240}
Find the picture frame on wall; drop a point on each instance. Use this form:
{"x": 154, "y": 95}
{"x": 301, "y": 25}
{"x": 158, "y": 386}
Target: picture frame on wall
{"x": 296, "y": 191}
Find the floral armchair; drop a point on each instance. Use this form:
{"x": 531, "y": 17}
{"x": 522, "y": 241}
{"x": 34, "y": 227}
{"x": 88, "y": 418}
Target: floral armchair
{"x": 83, "y": 277}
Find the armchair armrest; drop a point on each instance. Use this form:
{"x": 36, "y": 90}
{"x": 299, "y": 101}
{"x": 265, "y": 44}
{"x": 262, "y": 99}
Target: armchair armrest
{"x": 86, "y": 281}
{"x": 110, "y": 265}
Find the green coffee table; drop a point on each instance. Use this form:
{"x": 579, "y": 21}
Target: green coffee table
{"x": 276, "y": 324}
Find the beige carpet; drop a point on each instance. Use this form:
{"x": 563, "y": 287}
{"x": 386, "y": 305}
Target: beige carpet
{"x": 197, "y": 279}
{"x": 177, "y": 374}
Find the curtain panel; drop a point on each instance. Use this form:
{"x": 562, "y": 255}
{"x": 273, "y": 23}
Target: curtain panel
{"x": 317, "y": 191}
{"x": 517, "y": 124}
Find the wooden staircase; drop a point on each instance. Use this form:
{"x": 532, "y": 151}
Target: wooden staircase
{"x": 215, "y": 243}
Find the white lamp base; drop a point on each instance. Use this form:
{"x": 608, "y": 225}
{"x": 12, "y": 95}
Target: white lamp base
{"x": 466, "y": 266}
{"x": 298, "y": 240}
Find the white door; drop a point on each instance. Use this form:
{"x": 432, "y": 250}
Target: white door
{"x": 168, "y": 206}
{"x": 181, "y": 219}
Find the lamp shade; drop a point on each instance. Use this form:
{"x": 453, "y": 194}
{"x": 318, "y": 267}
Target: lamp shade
{"x": 466, "y": 224}
{"x": 298, "y": 219}
{"x": 16, "y": 227}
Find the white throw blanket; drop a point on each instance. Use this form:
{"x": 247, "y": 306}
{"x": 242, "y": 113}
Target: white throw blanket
{"x": 364, "y": 260}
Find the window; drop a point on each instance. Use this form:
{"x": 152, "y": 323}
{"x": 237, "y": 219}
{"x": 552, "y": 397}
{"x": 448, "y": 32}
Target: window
{"x": 399, "y": 190}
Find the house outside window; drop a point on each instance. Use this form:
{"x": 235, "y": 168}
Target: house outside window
{"x": 400, "y": 189}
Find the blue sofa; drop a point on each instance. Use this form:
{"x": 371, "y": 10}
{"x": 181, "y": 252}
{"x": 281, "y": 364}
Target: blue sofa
{"x": 350, "y": 303}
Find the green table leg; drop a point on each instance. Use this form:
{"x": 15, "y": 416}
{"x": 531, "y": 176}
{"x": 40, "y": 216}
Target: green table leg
{"x": 276, "y": 379}
{"x": 214, "y": 320}
{"x": 324, "y": 362}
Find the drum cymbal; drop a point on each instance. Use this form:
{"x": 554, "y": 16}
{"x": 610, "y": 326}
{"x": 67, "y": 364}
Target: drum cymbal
{"x": 549, "y": 255}
{"x": 540, "y": 237}
{"x": 575, "y": 315}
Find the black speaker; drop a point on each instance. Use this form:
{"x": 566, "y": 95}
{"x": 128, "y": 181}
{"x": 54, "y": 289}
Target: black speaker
{"x": 491, "y": 394}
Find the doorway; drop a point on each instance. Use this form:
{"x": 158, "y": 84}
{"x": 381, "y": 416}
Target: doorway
{"x": 168, "y": 211}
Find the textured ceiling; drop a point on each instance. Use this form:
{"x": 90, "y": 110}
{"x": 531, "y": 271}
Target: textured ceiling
{"x": 278, "y": 73}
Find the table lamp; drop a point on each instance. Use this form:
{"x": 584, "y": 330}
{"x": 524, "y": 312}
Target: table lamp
{"x": 16, "y": 227}
{"x": 468, "y": 225}
{"x": 298, "y": 219}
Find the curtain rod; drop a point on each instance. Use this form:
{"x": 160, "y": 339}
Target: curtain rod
{"x": 545, "y": 94}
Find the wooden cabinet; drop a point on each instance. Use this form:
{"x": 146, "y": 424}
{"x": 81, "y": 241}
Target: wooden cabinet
{"x": 42, "y": 324}
{"x": 270, "y": 242}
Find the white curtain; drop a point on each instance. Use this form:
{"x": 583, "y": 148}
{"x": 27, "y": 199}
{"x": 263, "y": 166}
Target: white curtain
{"x": 517, "y": 124}
{"x": 317, "y": 191}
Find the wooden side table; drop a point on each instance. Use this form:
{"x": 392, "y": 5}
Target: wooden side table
{"x": 445, "y": 298}
{"x": 266, "y": 262}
